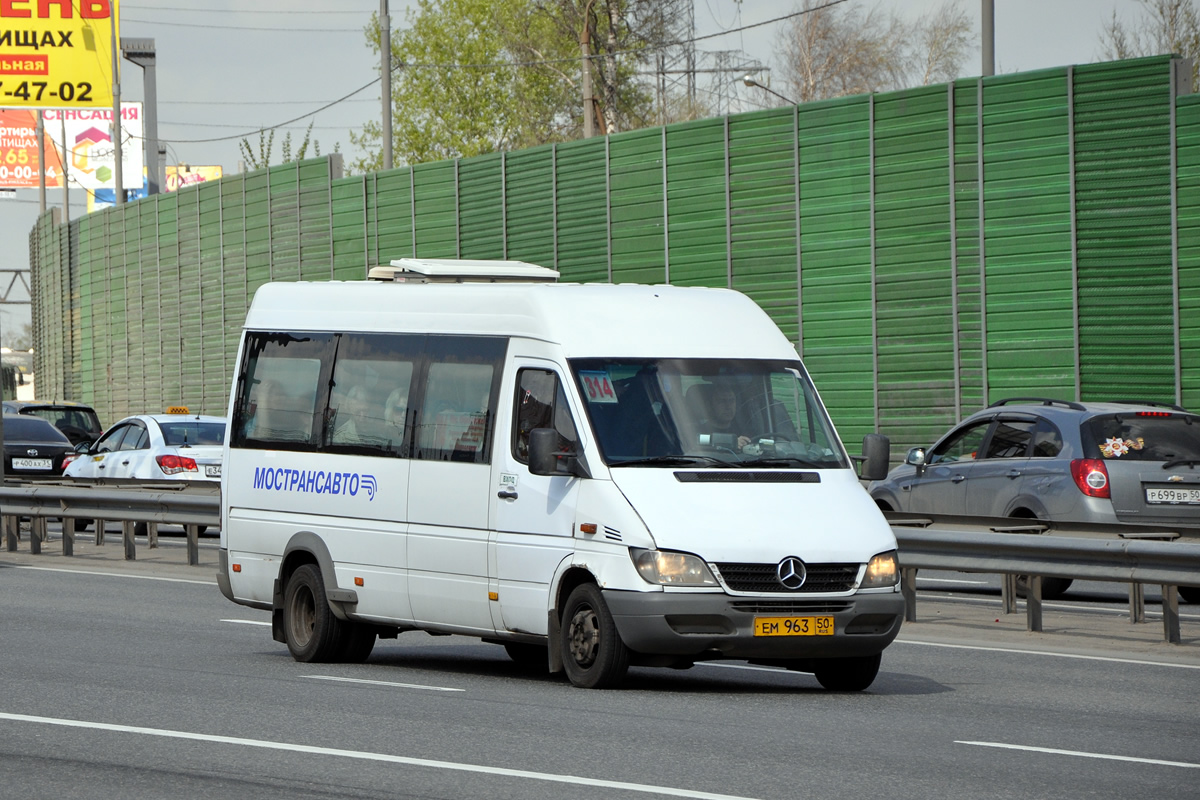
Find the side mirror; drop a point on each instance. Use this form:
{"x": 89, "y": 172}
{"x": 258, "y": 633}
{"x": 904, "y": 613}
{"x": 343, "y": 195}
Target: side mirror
{"x": 916, "y": 458}
{"x": 546, "y": 456}
{"x": 877, "y": 452}
{"x": 83, "y": 447}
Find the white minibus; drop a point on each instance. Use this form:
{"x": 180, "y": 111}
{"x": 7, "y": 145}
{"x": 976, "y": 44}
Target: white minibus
{"x": 593, "y": 476}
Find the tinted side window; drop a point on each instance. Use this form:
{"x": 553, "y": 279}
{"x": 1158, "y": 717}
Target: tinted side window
{"x": 278, "y": 390}
{"x": 1047, "y": 440}
{"x": 1134, "y": 437}
{"x": 541, "y": 403}
{"x": 112, "y": 440}
{"x": 1010, "y": 438}
{"x": 368, "y": 405}
{"x": 963, "y": 445}
{"x": 456, "y": 415}
{"x": 136, "y": 439}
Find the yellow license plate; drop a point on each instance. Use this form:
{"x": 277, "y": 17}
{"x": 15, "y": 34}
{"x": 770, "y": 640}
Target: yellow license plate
{"x": 793, "y": 626}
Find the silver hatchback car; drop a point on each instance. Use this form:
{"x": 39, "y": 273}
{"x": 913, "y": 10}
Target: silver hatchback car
{"x": 1131, "y": 463}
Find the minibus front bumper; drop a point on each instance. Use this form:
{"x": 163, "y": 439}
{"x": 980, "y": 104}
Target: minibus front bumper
{"x": 710, "y": 625}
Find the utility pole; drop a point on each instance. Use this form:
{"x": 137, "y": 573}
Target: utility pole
{"x": 385, "y": 72}
{"x": 988, "y": 36}
{"x": 119, "y": 189}
{"x": 589, "y": 102}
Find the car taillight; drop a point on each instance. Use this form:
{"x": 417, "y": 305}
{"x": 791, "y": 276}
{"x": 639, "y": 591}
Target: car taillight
{"x": 1091, "y": 476}
{"x": 67, "y": 459}
{"x": 171, "y": 465}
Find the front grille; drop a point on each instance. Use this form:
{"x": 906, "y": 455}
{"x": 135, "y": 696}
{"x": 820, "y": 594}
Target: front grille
{"x": 764, "y": 578}
{"x": 791, "y": 607}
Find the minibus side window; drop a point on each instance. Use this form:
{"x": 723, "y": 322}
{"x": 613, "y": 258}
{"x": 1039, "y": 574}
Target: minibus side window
{"x": 368, "y": 406}
{"x": 456, "y": 414}
{"x": 278, "y": 390}
{"x": 541, "y": 403}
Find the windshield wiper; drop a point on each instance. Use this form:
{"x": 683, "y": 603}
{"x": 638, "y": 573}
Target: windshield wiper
{"x": 779, "y": 462}
{"x": 1179, "y": 462}
{"x": 673, "y": 461}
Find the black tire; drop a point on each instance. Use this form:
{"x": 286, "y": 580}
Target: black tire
{"x": 593, "y": 654}
{"x": 141, "y": 529}
{"x": 528, "y": 656}
{"x": 82, "y": 524}
{"x": 1190, "y": 593}
{"x": 1052, "y": 588}
{"x": 851, "y": 674}
{"x": 200, "y": 529}
{"x": 358, "y": 640}
{"x": 313, "y": 633}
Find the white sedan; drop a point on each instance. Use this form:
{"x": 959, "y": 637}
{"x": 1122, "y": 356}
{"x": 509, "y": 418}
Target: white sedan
{"x": 155, "y": 447}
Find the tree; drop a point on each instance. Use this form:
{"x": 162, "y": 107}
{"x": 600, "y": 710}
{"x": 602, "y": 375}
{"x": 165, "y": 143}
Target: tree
{"x": 832, "y": 51}
{"x": 266, "y": 143}
{"x": 480, "y": 76}
{"x": 1173, "y": 27}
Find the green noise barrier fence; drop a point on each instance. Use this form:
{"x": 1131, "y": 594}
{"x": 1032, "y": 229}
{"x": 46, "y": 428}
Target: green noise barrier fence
{"x": 928, "y": 250}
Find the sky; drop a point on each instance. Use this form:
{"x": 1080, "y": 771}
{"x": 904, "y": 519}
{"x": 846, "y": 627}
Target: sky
{"x": 223, "y": 72}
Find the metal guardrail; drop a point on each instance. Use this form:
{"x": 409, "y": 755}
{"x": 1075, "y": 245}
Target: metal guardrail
{"x": 191, "y": 505}
{"x": 1115, "y": 553}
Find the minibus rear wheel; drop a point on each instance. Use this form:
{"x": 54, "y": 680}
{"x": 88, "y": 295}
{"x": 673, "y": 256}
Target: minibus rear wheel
{"x": 851, "y": 674}
{"x": 593, "y": 654}
{"x": 313, "y": 632}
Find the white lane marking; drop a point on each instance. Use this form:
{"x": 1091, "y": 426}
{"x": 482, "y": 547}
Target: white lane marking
{"x": 365, "y": 755}
{"x": 1083, "y": 754}
{"x": 247, "y": 622}
{"x": 1045, "y": 653}
{"x": 383, "y": 683}
{"x": 110, "y": 574}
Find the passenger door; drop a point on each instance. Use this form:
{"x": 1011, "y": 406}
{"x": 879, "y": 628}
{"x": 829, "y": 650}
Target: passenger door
{"x": 941, "y": 487}
{"x": 534, "y": 515}
{"x": 449, "y": 485}
{"x": 995, "y": 481}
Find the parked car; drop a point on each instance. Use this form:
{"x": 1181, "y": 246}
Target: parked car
{"x": 1110, "y": 463}
{"x": 33, "y": 448}
{"x": 155, "y": 447}
{"x": 78, "y": 421}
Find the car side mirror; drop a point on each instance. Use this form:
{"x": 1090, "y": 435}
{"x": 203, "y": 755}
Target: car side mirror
{"x": 916, "y": 458}
{"x": 877, "y": 451}
{"x": 546, "y": 456}
{"x": 83, "y": 447}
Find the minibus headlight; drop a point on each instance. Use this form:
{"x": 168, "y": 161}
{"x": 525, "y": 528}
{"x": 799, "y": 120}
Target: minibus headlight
{"x": 882, "y": 571}
{"x": 668, "y": 568}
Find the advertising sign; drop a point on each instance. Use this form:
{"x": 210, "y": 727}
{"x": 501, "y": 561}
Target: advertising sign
{"x": 91, "y": 162}
{"x": 57, "y": 53}
{"x": 189, "y": 174}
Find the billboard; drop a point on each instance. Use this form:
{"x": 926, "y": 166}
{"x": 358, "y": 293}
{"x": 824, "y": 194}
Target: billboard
{"x": 57, "y": 53}
{"x": 91, "y": 162}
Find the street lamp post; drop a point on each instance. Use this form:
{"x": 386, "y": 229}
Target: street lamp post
{"x": 749, "y": 81}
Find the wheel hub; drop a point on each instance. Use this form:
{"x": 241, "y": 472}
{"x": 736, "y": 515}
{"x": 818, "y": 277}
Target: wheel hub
{"x": 584, "y": 633}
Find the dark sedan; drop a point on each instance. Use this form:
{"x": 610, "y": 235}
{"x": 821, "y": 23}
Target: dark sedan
{"x": 33, "y": 448}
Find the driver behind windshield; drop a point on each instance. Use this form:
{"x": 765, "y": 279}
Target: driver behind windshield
{"x": 723, "y": 414}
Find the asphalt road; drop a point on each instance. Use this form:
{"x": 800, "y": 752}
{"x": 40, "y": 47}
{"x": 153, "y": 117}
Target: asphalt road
{"x": 139, "y": 680}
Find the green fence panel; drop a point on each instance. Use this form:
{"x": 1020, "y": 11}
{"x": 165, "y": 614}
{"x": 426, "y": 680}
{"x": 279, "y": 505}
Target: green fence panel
{"x": 835, "y": 245}
{"x": 914, "y": 275}
{"x": 1188, "y": 220}
{"x": 436, "y": 209}
{"x": 529, "y": 205}
{"x": 696, "y": 212}
{"x": 582, "y": 210}
{"x": 1123, "y": 219}
{"x": 762, "y": 213}
{"x": 636, "y": 207}
{"x": 968, "y": 274}
{"x": 481, "y": 208}
{"x": 391, "y": 213}
{"x": 1027, "y": 236}
{"x": 348, "y": 199}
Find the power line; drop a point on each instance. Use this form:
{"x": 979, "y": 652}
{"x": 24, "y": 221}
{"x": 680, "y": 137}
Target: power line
{"x": 290, "y": 12}
{"x": 255, "y": 28}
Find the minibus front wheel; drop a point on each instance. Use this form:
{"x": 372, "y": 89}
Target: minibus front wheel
{"x": 593, "y": 654}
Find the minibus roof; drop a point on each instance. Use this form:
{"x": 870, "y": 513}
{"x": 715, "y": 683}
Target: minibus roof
{"x": 586, "y": 320}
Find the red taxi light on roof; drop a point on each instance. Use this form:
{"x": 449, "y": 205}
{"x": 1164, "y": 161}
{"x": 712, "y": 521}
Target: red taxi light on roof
{"x": 1091, "y": 476}
{"x": 172, "y": 465}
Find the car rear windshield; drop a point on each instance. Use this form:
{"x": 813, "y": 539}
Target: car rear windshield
{"x": 84, "y": 419}
{"x": 1143, "y": 436}
{"x": 178, "y": 434}
{"x": 31, "y": 429}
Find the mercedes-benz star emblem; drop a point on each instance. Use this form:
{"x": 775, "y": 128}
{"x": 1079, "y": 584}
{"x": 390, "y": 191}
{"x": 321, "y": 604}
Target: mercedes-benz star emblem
{"x": 791, "y": 573}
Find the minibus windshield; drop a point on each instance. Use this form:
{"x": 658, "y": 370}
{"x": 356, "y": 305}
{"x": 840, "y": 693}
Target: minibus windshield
{"x": 706, "y": 412}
